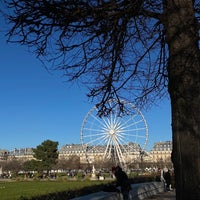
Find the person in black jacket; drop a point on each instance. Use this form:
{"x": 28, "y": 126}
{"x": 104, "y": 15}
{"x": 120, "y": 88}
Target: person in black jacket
{"x": 122, "y": 181}
{"x": 167, "y": 177}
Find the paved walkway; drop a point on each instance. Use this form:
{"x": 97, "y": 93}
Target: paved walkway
{"x": 170, "y": 195}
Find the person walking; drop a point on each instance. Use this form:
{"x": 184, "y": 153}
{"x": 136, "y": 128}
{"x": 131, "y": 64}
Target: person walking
{"x": 167, "y": 177}
{"x": 162, "y": 177}
{"x": 122, "y": 180}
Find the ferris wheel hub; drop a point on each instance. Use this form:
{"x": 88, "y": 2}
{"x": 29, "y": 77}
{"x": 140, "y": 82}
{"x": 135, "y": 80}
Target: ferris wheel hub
{"x": 112, "y": 132}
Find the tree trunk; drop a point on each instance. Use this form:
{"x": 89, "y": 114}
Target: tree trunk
{"x": 184, "y": 89}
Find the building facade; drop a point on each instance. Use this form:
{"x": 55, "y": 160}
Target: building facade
{"x": 161, "y": 151}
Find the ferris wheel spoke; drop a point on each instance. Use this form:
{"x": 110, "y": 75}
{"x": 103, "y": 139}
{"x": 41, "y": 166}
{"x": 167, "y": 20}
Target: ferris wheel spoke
{"x": 119, "y": 152}
{"x": 117, "y": 124}
{"x": 122, "y": 140}
{"x": 94, "y": 147}
{"x": 127, "y": 121}
{"x": 107, "y": 123}
{"x": 97, "y": 119}
{"x": 106, "y": 140}
{"x": 134, "y": 128}
{"x": 108, "y": 149}
{"x": 116, "y": 120}
{"x": 94, "y": 135}
{"x": 130, "y": 132}
{"x": 133, "y": 138}
{"x": 133, "y": 135}
{"x": 120, "y": 125}
{"x": 96, "y": 140}
{"x": 92, "y": 130}
{"x": 132, "y": 124}
{"x": 120, "y": 137}
{"x": 105, "y": 129}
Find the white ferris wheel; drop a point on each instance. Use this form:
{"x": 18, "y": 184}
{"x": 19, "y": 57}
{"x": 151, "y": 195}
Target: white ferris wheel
{"x": 118, "y": 136}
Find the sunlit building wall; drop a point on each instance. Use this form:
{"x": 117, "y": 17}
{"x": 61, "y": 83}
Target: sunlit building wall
{"x": 161, "y": 151}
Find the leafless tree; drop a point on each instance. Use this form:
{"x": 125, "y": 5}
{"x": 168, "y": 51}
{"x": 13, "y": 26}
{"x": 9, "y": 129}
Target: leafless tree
{"x": 62, "y": 164}
{"x": 135, "y": 49}
{"x": 14, "y": 166}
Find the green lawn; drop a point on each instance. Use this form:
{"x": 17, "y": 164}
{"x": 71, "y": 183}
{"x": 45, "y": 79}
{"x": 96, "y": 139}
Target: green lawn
{"x": 16, "y": 190}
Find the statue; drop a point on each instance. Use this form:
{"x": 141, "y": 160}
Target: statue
{"x": 94, "y": 177}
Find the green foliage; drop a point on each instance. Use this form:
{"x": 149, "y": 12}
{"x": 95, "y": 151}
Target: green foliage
{"x": 31, "y": 165}
{"x": 32, "y": 190}
{"x": 47, "y": 154}
{"x": 133, "y": 175}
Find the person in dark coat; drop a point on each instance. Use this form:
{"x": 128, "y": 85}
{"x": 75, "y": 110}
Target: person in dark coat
{"x": 167, "y": 177}
{"x": 122, "y": 181}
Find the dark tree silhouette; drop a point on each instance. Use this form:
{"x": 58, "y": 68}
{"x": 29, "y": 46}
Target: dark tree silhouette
{"x": 138, "y": 49}
{"x": 47, "y": 155}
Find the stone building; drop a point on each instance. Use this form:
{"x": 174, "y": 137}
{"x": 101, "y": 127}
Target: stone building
{"x": 23, "y": 154}
{"x": 68, "y": 150}
{"x": 94, "y": 154}
{"x": 161, "y": 151}
{"x": 4, "y": 154}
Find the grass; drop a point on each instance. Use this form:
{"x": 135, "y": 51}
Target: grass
{"x": 28, "y": 189}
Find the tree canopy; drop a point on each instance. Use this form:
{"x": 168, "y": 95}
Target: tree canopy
{"x": 119, "y": 45}
{"x": 47, "y": 154}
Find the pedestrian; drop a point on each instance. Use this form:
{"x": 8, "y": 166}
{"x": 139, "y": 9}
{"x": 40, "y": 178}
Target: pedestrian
{"x": 122, "y": 180}
{"x": 162, "y": 177}
{"x": 167, "y": 177}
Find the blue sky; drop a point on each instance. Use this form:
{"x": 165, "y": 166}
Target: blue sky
{"x": 36, "y": 105}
